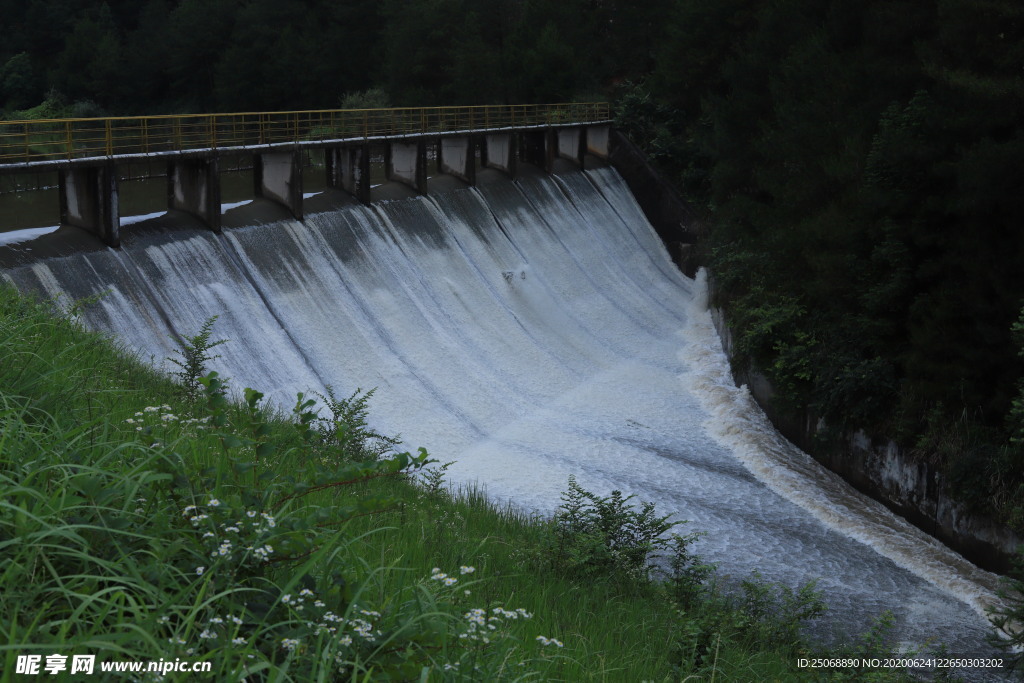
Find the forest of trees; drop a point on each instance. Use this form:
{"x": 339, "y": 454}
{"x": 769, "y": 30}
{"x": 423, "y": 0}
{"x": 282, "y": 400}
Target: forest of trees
{"x": 855, "y": 160}
{"x": 169, "y": 56}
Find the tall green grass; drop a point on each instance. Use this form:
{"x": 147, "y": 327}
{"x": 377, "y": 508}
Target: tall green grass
{"x": 136, "y": 524}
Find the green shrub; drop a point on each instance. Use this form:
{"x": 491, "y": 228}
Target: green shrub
{"x": 346, "y": 432}
{"x": 195, "y": 354}
{"x": 607, "y": 537}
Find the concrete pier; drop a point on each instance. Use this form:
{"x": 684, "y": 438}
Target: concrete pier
{"x": 571, "y": 143}
{"x": 193, "y": 186}
{"x": 597, "y": 142}
{"x": 89, "y": 200}
{"x": 534, "y": 146}
{"x": 457, "y": 156}
{"x": 406, "y": 162}
{"x": 348, "y": 169}
{"x": 278, "y": 176}
{"x": 499, "y": 151}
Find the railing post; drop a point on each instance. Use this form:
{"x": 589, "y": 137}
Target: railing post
{"x": 110, "y": 140}
{"x": 28, "y": 151}
{"x": 70, "y": 141}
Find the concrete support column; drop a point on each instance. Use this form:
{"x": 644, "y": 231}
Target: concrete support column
{"x": 456, "y": 156}
{"x": 406, "y": 162}
{"x": 597, "y": 141}
{"x": 88, "y": 200}
{"x": 535, "y": 148}
{"x": 278, "y": 176}
{"x": 499, "y": 151}
{"x": 571, "y": 144}
{"x": 193, "y": 186}
{"x": 348, "y": 169}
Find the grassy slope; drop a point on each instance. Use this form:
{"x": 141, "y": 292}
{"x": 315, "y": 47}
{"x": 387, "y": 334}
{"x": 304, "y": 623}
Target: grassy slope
{"x": 97, "y": 557}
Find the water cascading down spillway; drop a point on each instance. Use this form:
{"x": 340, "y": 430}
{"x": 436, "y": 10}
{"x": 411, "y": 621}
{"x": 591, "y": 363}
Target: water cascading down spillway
{"x": 530, "y": 330}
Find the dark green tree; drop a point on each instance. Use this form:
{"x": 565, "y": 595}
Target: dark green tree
{"x": 19, "y": 88}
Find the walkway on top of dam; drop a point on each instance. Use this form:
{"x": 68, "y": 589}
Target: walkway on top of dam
{"x": 89, "y": 154}
{"x": 37, "y": 144}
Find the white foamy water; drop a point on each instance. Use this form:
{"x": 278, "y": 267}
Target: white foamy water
{"x": 25, "y": 234}
{"x": 530, "y": 331}
{"x": 736, "y": 422}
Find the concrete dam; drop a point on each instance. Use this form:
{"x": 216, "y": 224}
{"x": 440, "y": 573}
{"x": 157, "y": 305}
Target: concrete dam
{"x": 528, "y": 329}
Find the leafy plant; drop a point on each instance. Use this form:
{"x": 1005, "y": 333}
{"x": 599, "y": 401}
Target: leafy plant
{"x": 689, "y": 574}
{"x": 432, "y": 480}
{"x": 195, "y": 354}
{"x": 776, "y": 611}
{"x": 346, "y": 433}
{"x": 594, "y": 536}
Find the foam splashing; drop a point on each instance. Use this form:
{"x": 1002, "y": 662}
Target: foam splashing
{"x": 738, "y": 423}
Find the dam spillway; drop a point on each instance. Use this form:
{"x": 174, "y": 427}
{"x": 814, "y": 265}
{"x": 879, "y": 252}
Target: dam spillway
{"x": 529, "y": 330}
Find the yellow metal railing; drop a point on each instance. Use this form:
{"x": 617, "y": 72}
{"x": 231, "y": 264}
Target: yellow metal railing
{"x": 66, "y": 139}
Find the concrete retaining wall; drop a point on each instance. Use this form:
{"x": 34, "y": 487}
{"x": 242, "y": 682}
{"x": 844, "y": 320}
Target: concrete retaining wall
{"x": 913, "y": 489}
{"x": 675, "y": 222}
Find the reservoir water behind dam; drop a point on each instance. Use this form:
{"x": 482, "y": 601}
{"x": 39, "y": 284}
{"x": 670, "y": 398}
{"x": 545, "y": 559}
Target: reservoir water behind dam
{"x": 531, "y": 330}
